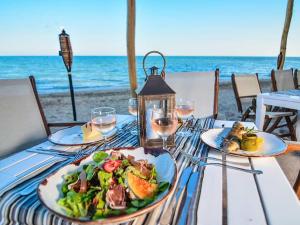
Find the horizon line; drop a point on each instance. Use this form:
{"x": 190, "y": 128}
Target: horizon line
{"x": 151, "y": 56}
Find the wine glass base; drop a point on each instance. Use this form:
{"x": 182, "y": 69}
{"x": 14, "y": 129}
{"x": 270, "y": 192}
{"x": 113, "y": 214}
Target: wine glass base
{"x": 184, "y": 133}
{"x": 134, "y": 132}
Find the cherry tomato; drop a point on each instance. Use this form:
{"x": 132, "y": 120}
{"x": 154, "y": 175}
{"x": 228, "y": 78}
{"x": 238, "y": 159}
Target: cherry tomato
{"x": 111, "y": 165}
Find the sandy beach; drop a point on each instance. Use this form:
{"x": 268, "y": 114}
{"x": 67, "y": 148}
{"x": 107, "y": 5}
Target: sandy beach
{"x": 57, "y": 108}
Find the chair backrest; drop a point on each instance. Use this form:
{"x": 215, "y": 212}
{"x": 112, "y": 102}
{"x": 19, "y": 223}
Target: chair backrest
{"x": 22, "y": 120}
{"x": 297, "y": 78}
{"x": 202, "y": 87}
{"x": 245, "y": 86}
{"x": 282, "y": 80}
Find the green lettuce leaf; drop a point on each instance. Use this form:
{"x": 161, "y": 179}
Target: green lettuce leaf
{"x": 163, "y": 186}
{"x": 104, "y": 178}
{"x": 100, "y": 156}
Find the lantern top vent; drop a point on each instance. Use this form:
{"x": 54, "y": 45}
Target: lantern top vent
{"x": 155, "y": 85}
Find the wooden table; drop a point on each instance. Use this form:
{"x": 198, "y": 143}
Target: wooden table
{"x": 287, "y": 99}
{"x": 223, "y": 196}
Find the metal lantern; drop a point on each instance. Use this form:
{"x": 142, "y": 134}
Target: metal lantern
{"x": 67, "y": 54}
{"x": 154, "y": 92}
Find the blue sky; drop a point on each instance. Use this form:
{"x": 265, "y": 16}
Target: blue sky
{"x": 175, "y": 27}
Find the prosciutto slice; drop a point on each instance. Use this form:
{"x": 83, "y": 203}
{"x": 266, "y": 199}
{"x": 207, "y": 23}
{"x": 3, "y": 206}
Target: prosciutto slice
{"x": 115, "y": 197}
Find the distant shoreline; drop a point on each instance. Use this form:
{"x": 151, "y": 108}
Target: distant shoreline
{"x": 238, "y": 56}
{"x": 116, "y": 91}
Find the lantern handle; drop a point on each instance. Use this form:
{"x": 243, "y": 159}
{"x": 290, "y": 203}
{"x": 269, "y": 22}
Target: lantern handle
{"x": 151, "y": 52}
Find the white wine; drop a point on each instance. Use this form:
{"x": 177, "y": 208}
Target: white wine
{"x": 184, "y": 111}
{"x": 164, "y": 127}
{"x": 132, "y": 110}
{"x": 104, "y": 124}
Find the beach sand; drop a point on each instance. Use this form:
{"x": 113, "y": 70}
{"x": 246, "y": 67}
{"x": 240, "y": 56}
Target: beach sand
{"x": 58, "y": 108}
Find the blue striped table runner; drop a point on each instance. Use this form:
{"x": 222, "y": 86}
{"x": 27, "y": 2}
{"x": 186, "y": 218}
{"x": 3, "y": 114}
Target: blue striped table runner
{"x": 17, "y": 209}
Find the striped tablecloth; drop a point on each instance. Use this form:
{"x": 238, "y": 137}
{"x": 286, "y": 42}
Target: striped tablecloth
{"x": 27, "y": 209}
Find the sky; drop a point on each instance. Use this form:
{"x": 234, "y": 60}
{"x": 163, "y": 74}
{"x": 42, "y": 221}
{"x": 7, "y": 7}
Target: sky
{"x": 174, "y": 27}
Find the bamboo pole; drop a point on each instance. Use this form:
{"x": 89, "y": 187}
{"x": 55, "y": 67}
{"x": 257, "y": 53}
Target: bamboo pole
{"x": 131, "y": 45}
{"x": 285, "y": 32}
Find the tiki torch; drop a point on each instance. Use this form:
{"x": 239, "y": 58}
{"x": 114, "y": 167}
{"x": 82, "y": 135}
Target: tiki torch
{"x": 67, "y": 55}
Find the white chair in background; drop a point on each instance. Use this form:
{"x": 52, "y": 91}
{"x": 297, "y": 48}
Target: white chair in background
{"x": 297, "y": 78}
{"x": 283, "y": 80}
{"x": 22, "y": 120}
{"x": 201, "y": 87}
{"x": 246, "y": 86}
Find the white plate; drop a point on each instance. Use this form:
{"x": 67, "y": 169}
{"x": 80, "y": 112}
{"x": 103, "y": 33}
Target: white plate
{"x": 73, "y": 136}
{"x": 49, "y": 190}
{"x": 271, "y": 146}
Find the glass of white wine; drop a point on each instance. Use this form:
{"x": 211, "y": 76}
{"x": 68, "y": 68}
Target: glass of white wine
{"x": 164, "y": 124}
{"x": 184, "y": 109}
{"x": 104, "y": 119}
{"x": 133, "y": 109}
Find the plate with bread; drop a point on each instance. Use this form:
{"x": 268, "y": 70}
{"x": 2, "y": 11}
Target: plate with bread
{"x": 244, "y": 141}
{"x": 78, "y": 135}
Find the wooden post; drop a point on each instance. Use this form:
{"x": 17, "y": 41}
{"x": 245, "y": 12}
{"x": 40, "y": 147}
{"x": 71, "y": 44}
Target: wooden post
{"x": 285, "y": 32}
{"x": 131, "y": 45}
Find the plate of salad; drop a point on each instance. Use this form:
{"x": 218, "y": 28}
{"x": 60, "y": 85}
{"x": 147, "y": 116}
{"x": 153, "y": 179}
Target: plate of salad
{"x": 110, "y": 186}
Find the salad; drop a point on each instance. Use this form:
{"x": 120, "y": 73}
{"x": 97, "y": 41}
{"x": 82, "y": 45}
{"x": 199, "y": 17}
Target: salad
{"x": 113, "y": 184}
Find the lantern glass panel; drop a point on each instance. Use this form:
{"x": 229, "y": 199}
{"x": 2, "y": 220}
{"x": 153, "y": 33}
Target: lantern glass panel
{"x": 148, "y": 138}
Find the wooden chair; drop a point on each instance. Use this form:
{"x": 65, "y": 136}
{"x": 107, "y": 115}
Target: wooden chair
{"x": 202, "y": 87}
{"x": 292, "y": 147}
{"x": 297, "y": 185}
{"x": 297, "y": 78}
{"x": 22, "y": 119}
{"x": 282, "y": 80}
{"x": 246, "y": 86}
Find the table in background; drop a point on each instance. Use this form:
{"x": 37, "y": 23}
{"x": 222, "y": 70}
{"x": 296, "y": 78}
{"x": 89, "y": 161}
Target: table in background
{"x": 287, "y": 99}
{"x": 223, "y": 196}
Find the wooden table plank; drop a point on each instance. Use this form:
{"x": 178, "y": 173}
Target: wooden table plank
{"x": 281, "y": 203}
{"x": 244, "y": 205}
{"x": 210, "y": 204}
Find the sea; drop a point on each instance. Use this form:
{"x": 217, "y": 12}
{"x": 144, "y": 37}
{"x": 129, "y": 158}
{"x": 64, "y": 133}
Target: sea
{"x": 92, "y": 73}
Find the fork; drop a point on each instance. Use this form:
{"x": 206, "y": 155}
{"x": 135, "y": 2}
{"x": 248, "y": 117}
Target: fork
{"x": 190, "y": 156}
{"x": 53, "y": 153}
{"x": 200, "y": 163}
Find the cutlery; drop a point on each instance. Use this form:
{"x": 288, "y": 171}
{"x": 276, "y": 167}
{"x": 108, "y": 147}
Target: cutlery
{"x": 192, "y": 184}
{"x": 191, "y": 157}
{"x": 168, "y": 214}
{"x": 38, "y": 167}
{"x": 65, "y": 151}
{"x": 53, "y": 153}
{"x": 202, "y": 164}
{"x": 31, "y": 171}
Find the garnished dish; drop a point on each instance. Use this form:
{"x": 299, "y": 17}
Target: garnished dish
{"x": 242, "y": 138}
{"x": 110, "y": 186}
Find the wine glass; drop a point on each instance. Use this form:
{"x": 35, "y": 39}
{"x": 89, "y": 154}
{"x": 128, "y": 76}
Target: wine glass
{"x": 104, "y": 119}
{"x": 184, "y": 109}
{"x": 132, "y": 109}
{"x": 164, "y": 124}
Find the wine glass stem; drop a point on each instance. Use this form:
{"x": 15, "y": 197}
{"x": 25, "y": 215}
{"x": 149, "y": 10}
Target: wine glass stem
{"x": 105, "y": 145}
{"x": 165, "y": 142}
